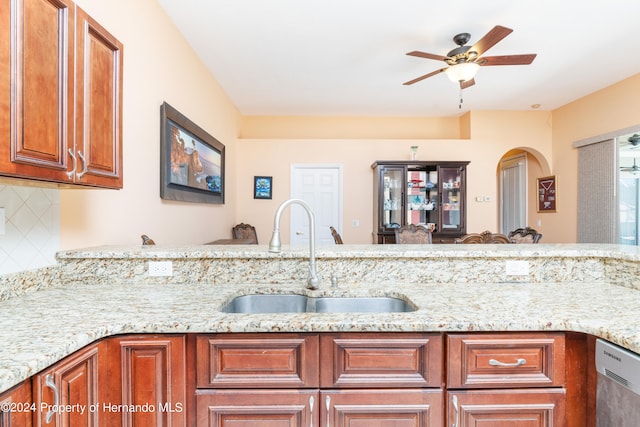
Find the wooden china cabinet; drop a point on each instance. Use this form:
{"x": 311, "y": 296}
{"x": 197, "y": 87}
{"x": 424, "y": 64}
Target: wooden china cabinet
{"x": 419, "y": 192}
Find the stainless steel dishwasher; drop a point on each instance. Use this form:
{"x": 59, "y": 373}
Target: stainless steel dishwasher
{"x": 618, "y": 390}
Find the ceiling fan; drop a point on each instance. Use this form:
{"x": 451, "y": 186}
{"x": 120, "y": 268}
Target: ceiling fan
{"x": 633, "y": 169}
{"x": 464, "y": 61}
{"x": 632, "y": 142}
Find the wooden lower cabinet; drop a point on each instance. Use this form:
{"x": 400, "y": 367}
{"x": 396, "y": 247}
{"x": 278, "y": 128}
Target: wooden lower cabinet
{"x": 381, "y": 408}
{"x": 334, "y": 408}
{"x": 257, "y": 408}
{"x": 148, "y": 381}
{"x": 16, "y": 406}
{"x": 67, "y": 393}
{"x": 507, "y": 408}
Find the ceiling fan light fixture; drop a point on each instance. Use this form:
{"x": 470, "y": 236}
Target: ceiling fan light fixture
{"x": 462, "y": 72}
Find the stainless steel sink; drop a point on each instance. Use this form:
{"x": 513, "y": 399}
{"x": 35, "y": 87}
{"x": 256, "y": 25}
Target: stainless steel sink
{"x": 285, "y": 303}
{"x": 292, "y": 303}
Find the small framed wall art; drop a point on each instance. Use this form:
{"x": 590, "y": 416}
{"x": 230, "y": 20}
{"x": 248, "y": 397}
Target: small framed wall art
{"x": 547, "y": 194}
{"x": 262, "y": 187}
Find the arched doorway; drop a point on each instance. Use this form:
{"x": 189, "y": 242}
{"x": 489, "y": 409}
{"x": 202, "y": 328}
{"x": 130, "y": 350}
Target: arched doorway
{"x": 517, "y": 173}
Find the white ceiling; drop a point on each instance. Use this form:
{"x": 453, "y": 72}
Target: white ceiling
{"x": 347, "y": 57}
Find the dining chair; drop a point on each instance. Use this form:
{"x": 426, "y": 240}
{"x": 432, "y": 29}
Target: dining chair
{"x": 336, "y": 236}
{"x": 484, "y": 237}
{"x": 524, "y": 235}
{"x": 413, "y": 234}
{"x": 245, "y": 232}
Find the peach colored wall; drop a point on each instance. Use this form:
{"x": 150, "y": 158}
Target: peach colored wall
{"x": 282, "y": 127}
{"x": 158, "y": 66}
{"x": 608, "y": 110}
{"x": 491, "y": 138}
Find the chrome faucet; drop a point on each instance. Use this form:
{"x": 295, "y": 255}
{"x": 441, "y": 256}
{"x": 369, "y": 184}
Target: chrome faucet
{"x": 275, "y": 245}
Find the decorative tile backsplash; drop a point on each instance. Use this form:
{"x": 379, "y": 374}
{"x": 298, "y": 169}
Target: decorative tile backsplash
{"x": 32, "y": 227}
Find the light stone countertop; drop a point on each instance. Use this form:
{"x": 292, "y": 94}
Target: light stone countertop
{"x": 45, "y": 324}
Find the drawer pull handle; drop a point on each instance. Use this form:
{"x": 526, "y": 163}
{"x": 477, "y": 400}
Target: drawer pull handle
{"x": 48, "y": 381}
{"x": 311, "y": 401}
{"x": 454, "y": 401}
{"x": 519, "y": 362}
{"x": 327, "y": 402}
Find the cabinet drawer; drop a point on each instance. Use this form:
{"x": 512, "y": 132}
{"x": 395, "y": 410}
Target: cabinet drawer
{"x": 257, "y": 361}
{"x": 257, "y": 408}
{"x": 381, "y": 360}
{"x": 505, "y": 360}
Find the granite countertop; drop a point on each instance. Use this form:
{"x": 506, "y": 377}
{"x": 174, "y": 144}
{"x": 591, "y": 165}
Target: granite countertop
{"x": 98, "y": 292}
{"x": 42, "y": 327}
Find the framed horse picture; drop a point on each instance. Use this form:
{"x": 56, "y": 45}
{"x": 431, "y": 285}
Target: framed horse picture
{"x": 191, "y": 160}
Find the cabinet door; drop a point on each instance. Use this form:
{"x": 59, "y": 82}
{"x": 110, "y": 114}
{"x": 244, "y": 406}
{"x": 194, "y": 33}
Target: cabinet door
{"x": 99, "y": 104}
{"x": 381, "y": 408}
{"x": 452, "y": 199}
{"x": 153, "y": 382}
{"x": 257, "y": 361}
{"x": 36, "y": 97}
{"x": 385, "y": 360}
{"x": 262, "y": 408}
{"x": 391, "y": 194}
{"x": 507, "y": 408}
{"x": 71, "y": 384}
{"x": 506, "y": 360}
{"x": 16, "y": 406}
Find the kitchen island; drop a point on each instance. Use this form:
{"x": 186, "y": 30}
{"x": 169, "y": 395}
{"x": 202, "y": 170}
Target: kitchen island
{"x": 99, "y": 292}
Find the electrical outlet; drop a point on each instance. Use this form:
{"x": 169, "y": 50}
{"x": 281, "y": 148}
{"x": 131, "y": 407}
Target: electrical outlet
{"x": 516, "y": 268}
{"x": 160, "y": 268}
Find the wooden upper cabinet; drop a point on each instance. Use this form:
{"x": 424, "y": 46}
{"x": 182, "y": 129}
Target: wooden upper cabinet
{"x": 98, "y": 104}
{"x": 62, "y": 69}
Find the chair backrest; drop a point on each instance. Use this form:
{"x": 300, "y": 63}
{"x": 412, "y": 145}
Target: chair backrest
{"x": 245, "y": 231}
{"x": 413, "y": 234}
{"x": 336, "y": 236}
{"x": 484, "y": 237}
{"x": 524, "y": 235}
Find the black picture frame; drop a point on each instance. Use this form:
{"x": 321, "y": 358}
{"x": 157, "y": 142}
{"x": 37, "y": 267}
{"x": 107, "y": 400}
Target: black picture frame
{"x": 262, "y": 187}
{"x": 547, "y": 194}
{"x": 191, "y": 160}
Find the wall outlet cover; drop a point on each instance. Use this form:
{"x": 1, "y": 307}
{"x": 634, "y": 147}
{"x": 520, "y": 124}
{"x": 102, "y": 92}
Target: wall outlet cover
{"x": 160, "y": 268}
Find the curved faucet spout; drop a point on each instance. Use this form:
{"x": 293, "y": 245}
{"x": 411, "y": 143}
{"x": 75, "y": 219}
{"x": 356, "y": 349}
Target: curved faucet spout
{"x": 275, "y": 245}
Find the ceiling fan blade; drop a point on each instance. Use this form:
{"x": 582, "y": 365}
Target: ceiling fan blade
{"x": 525, "y": 59}
{"x": 468, "y": 83}
{"x": 496, "y": 34}
{"x": 433, "y": 73}
{"x": 427, "y": 55}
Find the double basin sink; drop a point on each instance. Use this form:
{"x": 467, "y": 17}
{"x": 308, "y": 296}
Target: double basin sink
{"x": 293, "y": 303}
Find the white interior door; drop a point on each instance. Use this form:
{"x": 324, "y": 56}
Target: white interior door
{"x": 513, "y": 193}
{"x": 321, "y": 187}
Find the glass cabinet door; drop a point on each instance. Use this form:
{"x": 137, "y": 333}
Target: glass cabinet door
{"x": 392, "y": 197}
{"x": 452, "y": 191}
{"x": 422, "y": 199}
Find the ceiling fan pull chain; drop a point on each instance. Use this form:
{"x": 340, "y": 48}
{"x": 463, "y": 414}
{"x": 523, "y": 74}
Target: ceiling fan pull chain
{"x": 460, "y": 104}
